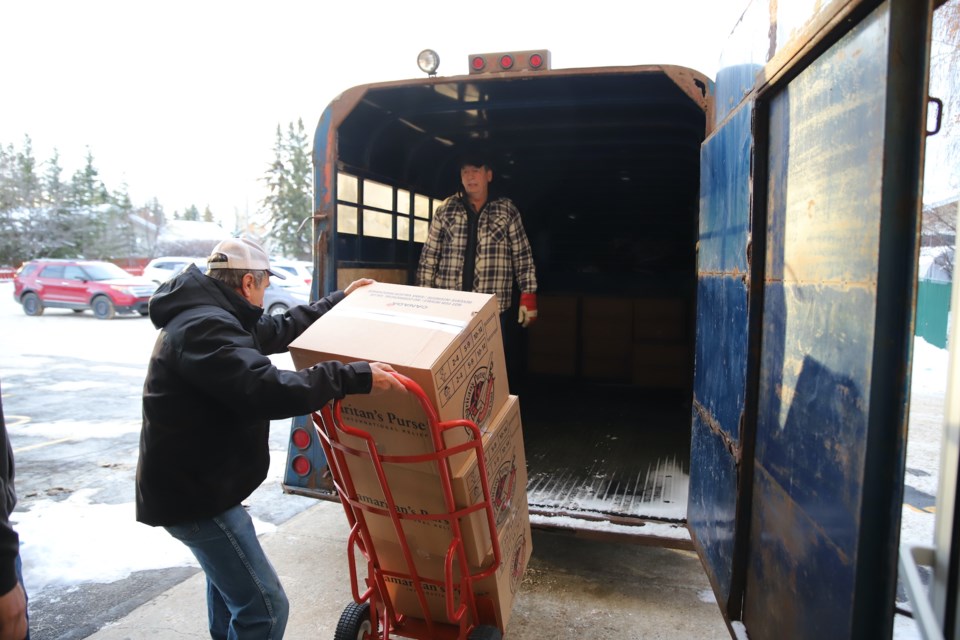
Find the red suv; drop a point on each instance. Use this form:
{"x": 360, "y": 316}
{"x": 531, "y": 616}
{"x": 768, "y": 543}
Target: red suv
{"x": 103, "y": 287}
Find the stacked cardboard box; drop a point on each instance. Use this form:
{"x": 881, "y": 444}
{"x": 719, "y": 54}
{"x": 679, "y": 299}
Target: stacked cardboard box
{"x": 662, "y": 356}
{"x": 607, "y": 328}
{"x": 448, "y": 342}
{"x": 493, "y": 594}
{"x": 552, "y": 345}
{"x": 415, "y": 490}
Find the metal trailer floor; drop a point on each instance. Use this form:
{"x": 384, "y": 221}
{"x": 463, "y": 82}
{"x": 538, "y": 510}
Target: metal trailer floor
{"x": 607, "y": 452}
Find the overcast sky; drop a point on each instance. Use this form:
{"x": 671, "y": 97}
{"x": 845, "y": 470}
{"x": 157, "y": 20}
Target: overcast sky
{"x": 181, "y": 99}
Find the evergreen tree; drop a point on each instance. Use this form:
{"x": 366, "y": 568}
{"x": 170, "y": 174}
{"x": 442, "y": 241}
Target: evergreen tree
{"x": 10, "y": 239}
{"x": 24, "y": 216}
{"x": 155, "y": 219}
{"x": 8, "y": 178}
{"x": 301, "y": 184}
{"x": 288, "y": 203}
{"x": 54, "y": 221}
{"x": 54, "y": 191}
{"x": 86, "y": 188}
{"x": 119, "y": 239}
{"x": 192, "y": 213}
{"x": 82, "y": 222}
{"x": 275, "y": 180}
{"x": 28, "y": 182}
{"x": 19, "y": 183}
{"x": 207, "y": 214}
{"x": 156, "y": 213}
{"x": 42, "y": 216}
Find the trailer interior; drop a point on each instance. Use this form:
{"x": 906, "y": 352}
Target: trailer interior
{"x": 604, "y": 166}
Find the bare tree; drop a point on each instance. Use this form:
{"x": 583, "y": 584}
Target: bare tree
{"x": 940, "y": 230}
{"x": 943, "y": 149}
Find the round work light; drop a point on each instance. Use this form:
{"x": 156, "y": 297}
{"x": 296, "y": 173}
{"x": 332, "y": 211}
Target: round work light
{"x": 428, "y": 61}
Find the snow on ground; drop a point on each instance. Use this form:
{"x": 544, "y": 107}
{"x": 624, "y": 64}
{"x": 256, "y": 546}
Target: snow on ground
{"x": 924, "y": 439}
{"x": 928, "y": 390}
{"x": 105, "y": 543}
{"x": 660, "y": 530}
{"x": 929, "y": 368}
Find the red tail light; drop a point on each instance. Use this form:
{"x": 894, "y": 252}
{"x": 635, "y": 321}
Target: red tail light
{"x": 301, "y": 438}
{"x": 301, "y": 466}
{"x": 538, "y": 60}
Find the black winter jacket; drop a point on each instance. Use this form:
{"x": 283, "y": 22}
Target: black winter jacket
{"x": 9, "y": 540}
{"x": 211, "y": 392}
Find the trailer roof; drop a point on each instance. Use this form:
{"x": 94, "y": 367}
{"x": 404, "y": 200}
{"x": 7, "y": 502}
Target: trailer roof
{"x": 592, "y": 125}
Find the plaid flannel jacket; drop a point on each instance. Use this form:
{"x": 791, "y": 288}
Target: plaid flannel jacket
{"x": 503, "y": 251}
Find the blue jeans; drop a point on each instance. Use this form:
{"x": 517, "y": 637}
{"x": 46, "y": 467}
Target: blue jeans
{"x": 245, "y": 600}
{"x": 19, "y": 566}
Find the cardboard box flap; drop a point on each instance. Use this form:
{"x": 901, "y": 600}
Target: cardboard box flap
{"x": 412, "y": 302}
{"x": 372, "y": 340}
{"x": 398, "y": 324}
{"x": 401, "y": 319}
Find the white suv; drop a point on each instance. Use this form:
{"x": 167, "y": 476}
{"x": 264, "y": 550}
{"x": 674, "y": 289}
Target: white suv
{"x": 298, "y": 272}
{"x": 162, "y": 269}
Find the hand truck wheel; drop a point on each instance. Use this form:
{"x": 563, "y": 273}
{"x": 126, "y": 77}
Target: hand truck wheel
{"x": 485, "y": 632}
{"x": 355, "y": 623}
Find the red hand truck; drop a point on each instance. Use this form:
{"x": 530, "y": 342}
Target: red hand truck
{"x": 372, "y": 614}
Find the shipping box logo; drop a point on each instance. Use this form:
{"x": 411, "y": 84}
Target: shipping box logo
{"x": 478, "y": 400}
{"x": 504, "y": 486}
{"x": 518, "y": 563}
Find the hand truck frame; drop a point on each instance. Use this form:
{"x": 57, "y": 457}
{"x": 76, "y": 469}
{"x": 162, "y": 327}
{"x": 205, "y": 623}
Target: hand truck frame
{"x": 372, "y": 614}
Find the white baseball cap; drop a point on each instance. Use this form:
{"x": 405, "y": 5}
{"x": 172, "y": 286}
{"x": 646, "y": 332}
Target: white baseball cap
{"x": 242, "y": 254}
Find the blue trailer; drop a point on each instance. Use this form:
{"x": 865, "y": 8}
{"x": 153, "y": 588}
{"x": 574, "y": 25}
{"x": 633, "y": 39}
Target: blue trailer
{"x": 727, "y": 284}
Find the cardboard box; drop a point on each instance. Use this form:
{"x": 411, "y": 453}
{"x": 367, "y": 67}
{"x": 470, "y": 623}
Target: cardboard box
{"x": 613, "y": 368}
{"x": 448, "y": 342}
{"x": 552, "y": 341}
{"x": 659, "y": 319}
{"x": 494, "y": 594}
{"x": 662, "y": 365}
{"x": 415, "y": 490}
{"x": 607, "y": 326}
{"x": 606, "y": 331}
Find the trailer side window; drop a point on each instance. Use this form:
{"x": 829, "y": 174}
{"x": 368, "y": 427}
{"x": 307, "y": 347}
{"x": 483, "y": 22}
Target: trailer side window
{"x": 377, "y": 210}
{"x": 346, "y": 213}
{"x": 403, "y": 214}
{"x": 422, "y": 212}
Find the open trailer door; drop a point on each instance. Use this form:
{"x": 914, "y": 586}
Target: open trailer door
{"x": 809, "y": 221}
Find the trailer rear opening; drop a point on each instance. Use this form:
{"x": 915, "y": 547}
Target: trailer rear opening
{"x": 604, "y": 167}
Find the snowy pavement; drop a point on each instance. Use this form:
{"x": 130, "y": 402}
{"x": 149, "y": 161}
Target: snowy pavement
{"x": 80, "y": 537}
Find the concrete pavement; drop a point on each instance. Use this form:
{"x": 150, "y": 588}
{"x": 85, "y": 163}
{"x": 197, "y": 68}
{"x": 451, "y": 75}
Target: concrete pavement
{"x": 573, "y": 588}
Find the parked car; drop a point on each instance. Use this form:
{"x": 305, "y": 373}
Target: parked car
{"x": 279, "y": 297}
{"x": 159, "y": 270}
{"x": 298, "y": 272}
{"x": 80, "y": 285}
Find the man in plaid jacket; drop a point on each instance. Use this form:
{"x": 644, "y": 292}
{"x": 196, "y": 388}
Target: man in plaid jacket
{"x": 478, "y": 243}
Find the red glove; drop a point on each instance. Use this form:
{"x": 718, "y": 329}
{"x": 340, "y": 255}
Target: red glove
{"x": 528, "y": 309}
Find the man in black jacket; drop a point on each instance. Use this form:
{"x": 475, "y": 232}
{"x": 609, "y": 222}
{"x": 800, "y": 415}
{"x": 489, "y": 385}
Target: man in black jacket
{"x": 208, "y": 399}
{"x": 13, "y": 601}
